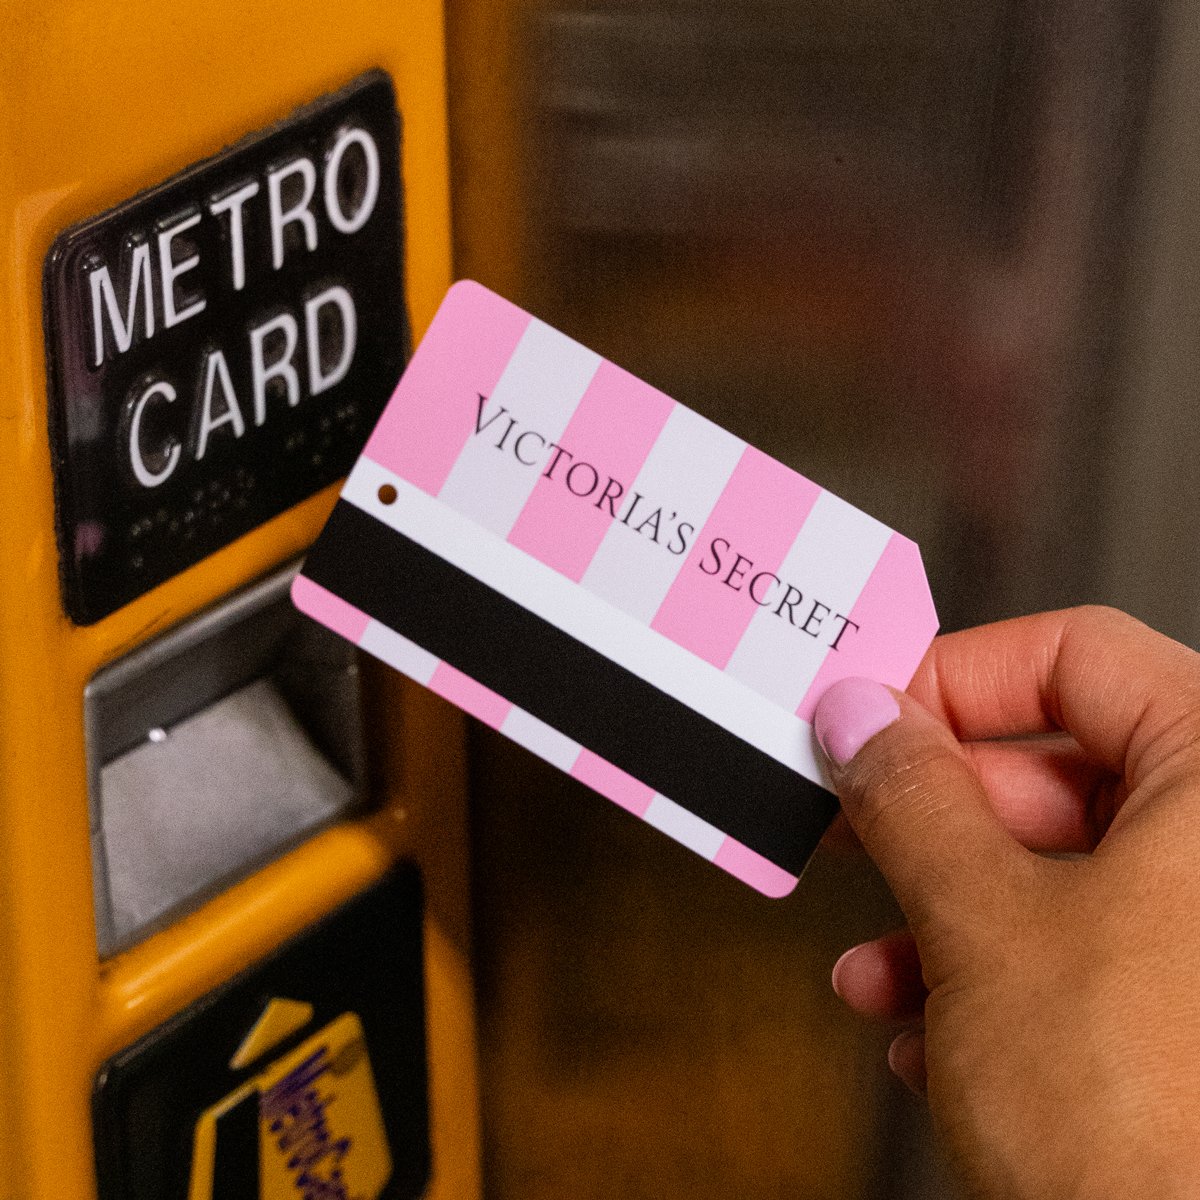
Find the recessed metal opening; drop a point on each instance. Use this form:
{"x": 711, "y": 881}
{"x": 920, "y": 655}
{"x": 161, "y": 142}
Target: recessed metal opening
{"x": 213, "y": 749}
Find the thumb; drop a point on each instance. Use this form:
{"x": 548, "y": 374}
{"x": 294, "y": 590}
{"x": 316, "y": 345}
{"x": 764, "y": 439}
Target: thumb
{"x": 916, "y": 803}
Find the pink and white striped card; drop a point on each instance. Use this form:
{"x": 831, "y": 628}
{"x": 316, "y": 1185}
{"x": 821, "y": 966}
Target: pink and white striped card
{"x": 615, "y": 582}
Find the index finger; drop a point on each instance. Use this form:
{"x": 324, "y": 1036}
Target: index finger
{"x": 1127, "y": 694}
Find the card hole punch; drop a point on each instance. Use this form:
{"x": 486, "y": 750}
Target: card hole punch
{"x": 388, "y": 494}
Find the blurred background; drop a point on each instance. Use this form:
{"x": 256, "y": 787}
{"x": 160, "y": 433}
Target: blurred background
{"x": 939, "y": 256}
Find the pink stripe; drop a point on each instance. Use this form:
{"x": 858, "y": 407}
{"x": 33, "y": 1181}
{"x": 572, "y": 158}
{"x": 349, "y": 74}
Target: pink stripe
{"x": 610, "y": 781}
{"x": 471, "y": 697}
{"x": 434, "y": 407}
{"x": 757, "y": 517}
{"x": 760, "y": 873}
{"x": 332, "y": 611}
{"x": 896, "y": 622}
{"x": 610, "y": 434}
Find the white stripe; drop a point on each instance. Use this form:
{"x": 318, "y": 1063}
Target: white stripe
{"x": 544, "y": 740}
{"x": 687, "y": 469}
{"x": 397, "y": 651}
{"x": 541, "y": 387}
{"x": 587, "y": 618}
{"x": 685, "y": 827}
{"x": 829, "y": 562}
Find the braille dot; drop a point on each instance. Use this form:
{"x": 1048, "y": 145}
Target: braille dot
{"x": 388, "y": 494}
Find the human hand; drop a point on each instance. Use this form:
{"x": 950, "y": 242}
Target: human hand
{"x": 1053, "y": 1004}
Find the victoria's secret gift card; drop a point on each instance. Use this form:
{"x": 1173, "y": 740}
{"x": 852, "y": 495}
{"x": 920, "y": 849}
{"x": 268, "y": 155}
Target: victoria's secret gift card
{"x": 615, "y": 583}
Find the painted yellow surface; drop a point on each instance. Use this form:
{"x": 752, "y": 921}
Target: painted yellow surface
{"x": 280, "y": 1019}
{"x": 100, "y": 99}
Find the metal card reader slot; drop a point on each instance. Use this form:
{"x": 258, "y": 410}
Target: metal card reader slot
{"x": 213, "y": 749}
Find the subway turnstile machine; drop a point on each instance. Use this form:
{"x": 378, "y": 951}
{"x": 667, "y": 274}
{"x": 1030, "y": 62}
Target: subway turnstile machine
{"x": 233, "y": 915}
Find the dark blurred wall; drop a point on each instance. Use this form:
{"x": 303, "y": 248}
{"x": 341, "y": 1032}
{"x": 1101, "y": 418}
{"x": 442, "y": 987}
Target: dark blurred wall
{"x": 937, "y": 257}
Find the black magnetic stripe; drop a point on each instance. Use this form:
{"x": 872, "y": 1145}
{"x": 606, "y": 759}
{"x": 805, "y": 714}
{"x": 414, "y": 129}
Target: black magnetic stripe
{"x": 571, "y": 687}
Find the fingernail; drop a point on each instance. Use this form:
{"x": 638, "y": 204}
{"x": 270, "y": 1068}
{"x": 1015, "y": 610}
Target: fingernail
{"x": 906, "y": 1058}
{"x": 851, "y": 713}
{"x": 837, "y": 968}
{"x": 899, "y": 1049}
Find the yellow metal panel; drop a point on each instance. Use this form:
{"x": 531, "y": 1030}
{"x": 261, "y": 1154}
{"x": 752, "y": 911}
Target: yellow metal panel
{"x": 99, "y": 100}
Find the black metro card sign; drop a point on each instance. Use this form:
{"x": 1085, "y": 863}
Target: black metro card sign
{"x": 220, "y": 346}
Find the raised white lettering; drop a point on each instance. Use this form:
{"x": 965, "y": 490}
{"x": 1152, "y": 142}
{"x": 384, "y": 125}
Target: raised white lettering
{"x": 231, "y": 414}
{"x": 299, "y": 211}
{"x": 102, "y": 288}
{"x": 333, "y": 207}
{"x": 141, "y": 472}
{"x": 281, "y": 368}
{"x": 232, "y": 204}
{"x": 171, "y": 270}
{"x": 318, "y": 379}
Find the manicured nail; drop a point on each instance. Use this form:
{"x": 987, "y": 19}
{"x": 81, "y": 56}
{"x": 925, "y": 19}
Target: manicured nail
{"x": 851, "y": 713}
{"x": 837, "y": 970}
{"x": 906, "y": 1057}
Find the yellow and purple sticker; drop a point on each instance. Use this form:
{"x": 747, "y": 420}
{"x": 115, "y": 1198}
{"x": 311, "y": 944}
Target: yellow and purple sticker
{"x": 616, "y": 583}
{"x": 315, "y": 1119}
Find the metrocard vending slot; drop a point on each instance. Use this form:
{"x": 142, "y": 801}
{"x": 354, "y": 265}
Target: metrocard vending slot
{"x": 213, "y": 749}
